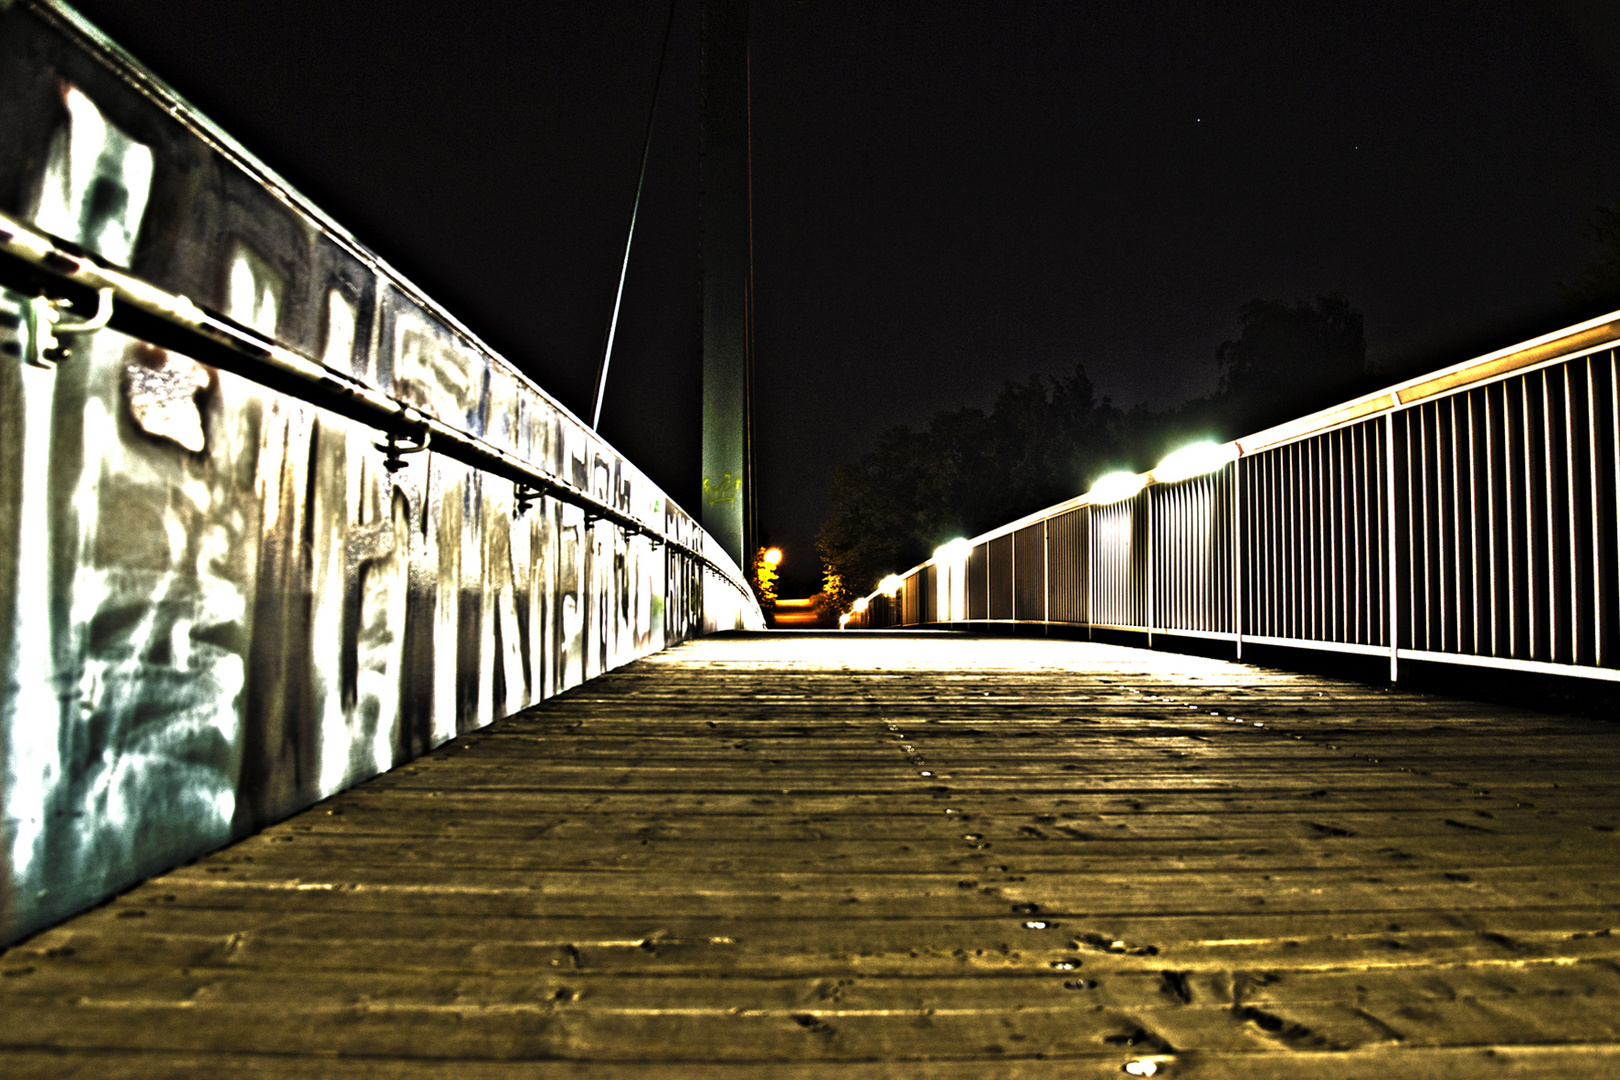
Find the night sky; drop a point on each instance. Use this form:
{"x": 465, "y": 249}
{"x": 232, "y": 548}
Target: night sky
{"x": 946, "y": 195}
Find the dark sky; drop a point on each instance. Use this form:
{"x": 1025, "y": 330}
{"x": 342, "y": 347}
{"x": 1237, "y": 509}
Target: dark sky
{"x": 947, "y": 196}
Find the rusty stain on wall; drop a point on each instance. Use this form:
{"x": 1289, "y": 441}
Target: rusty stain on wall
{"x": 217, "y": 605}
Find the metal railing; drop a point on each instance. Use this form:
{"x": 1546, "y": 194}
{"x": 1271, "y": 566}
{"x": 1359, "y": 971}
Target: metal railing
{"x": 34, "y": 264}
{"x": 1467, "y": 516}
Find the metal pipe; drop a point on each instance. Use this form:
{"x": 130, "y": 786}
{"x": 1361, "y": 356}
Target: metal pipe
{"x": 33, "y": 264}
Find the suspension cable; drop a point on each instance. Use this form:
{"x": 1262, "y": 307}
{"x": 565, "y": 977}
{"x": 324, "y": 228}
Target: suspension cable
{"x": 624, "y": 267}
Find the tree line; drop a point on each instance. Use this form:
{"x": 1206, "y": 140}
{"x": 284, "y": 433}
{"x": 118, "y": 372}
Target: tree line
{"x": 1045, "y": 440}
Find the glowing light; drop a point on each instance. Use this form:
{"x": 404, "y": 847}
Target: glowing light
{"x": 1194, "y": 460}
{"x": 889, "y": 585}
{"x": 860, "y": 605}
{"x": 773, "y": 556}
{"x": 1115, "y": 487}
{"x": 955, "y": 551}
{"x": 843, "y": 620}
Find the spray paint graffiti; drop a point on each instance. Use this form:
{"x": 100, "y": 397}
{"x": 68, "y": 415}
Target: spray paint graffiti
{"x": 218, "y": 603}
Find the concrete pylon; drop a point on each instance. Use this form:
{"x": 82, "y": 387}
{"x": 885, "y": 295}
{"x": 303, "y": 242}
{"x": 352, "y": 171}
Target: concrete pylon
{"x": 727, "y": 273}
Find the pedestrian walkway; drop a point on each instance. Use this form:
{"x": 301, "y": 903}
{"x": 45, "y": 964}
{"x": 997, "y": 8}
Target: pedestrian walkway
{"x": 891, "y": 855}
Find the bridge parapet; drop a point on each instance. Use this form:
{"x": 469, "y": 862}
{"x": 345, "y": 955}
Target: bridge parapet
{"x": 283, "y": 522}
{"x": 1467, "y": 516}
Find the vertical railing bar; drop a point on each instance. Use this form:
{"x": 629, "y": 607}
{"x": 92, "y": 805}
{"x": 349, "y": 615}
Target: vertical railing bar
{"x": 1512, "y": 505}
{"x": 1329, "y": 542}
{"x": 1472, "y": 476}
{"x": 1392, "y": 581}
{"x": 1175, "y": 545}
{"x": 1238, "y": 553}
{"x": 1341, "y": 506}
{"x": 1614, "y": 419}
{"x": 1596, "y": 573}
{"x": 1372, "y": 561}
{"x": 1091, "y": 570}
{"x": 1147, "y": 531}
{"x": 1046, "y": 571}
{"x": 1309, "y": 541}
{"x": 1012, "y": 575}
{"x": 1424, "y": 412}
{"x": 1323, "y": 543}
{"x": 1293, "y": 584}
{"x": 1304, "y": 546}
{"x": 1493, "y": 589}
{"x": 1345, "y": 504}
{"x": 1274, "y": 552}
{"x": 1372, "y": 516}
{"x": 1462, "y": 598}
{"x": 1259, "y": 585}
{"x": 1373, "y": 475}
{"x": 1278, "y": 543}
{"x": 1574, "y": 532}
{"x": 1236, "y": 550}
{"x": 1286, "y": 484}
{"x": 1531, "y": 622}
{"x": 1418, "y": 512}
{"x": 1552, "y": 541}
{"x": 1352, "y": 533}
{"x": 1457, "y": 604}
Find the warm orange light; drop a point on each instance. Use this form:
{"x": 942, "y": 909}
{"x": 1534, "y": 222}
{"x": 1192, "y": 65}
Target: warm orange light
{"x": 773, "y": 556}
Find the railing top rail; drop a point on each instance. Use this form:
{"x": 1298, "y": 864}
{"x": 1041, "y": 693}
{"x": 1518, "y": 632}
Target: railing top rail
{"x": 1564, "y": 344}
{"x": 35, "y": 264}
{"x": 1555, "y": 347}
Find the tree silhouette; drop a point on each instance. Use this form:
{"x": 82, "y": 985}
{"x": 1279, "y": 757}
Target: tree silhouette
{"x": 1291, "y": 357}
{"x": 1046, "y": 440}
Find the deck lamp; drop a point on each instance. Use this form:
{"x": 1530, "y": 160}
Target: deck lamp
{"x": 889, "y": 585}
{"x": 1116, "y": 487}
{"x": 1194, "y": 460}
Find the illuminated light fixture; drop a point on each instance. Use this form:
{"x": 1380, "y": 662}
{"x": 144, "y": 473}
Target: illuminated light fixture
{"x": 1194, "y": 460}
{"x": 860, "y": 605}
{"x": 1115, "y": 487}
{"x": 889, "y": 585}
{"x": 773, "y": 556}
{"x": 843, "y": 620}
{"x": 955, "y": 551}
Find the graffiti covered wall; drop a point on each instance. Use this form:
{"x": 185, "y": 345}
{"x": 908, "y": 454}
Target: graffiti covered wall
{"x": 217, "y": 602}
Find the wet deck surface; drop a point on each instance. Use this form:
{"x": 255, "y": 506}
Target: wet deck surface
{"x": 861, "y": 857}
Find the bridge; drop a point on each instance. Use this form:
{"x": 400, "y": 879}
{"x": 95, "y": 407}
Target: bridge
{"x": 364, "y": 711}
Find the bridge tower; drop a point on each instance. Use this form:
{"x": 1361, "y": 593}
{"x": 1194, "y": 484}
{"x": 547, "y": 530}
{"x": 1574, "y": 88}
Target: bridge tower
{"x": 728, "y": 486}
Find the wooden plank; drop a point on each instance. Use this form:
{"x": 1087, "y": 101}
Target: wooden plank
{"x": 933, "y": 858}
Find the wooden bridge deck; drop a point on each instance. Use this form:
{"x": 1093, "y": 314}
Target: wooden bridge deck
{"x": 885, "y": 856}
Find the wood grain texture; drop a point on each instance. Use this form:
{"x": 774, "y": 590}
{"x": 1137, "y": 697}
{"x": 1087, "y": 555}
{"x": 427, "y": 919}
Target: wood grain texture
{"x": 794, "y": 856}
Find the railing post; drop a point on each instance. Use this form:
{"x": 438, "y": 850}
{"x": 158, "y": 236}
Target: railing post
{"x": 1091, "y": 569}
{"x": 1046, "y": 574}
{"x": 1147, "y": 533}
{"x": 1392, "y": 615}
{"x": 1237, "y": 553}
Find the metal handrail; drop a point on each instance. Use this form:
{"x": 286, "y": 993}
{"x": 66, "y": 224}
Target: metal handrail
{"x": 1465, "y": 516}
{"x": 36, "y": 264}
